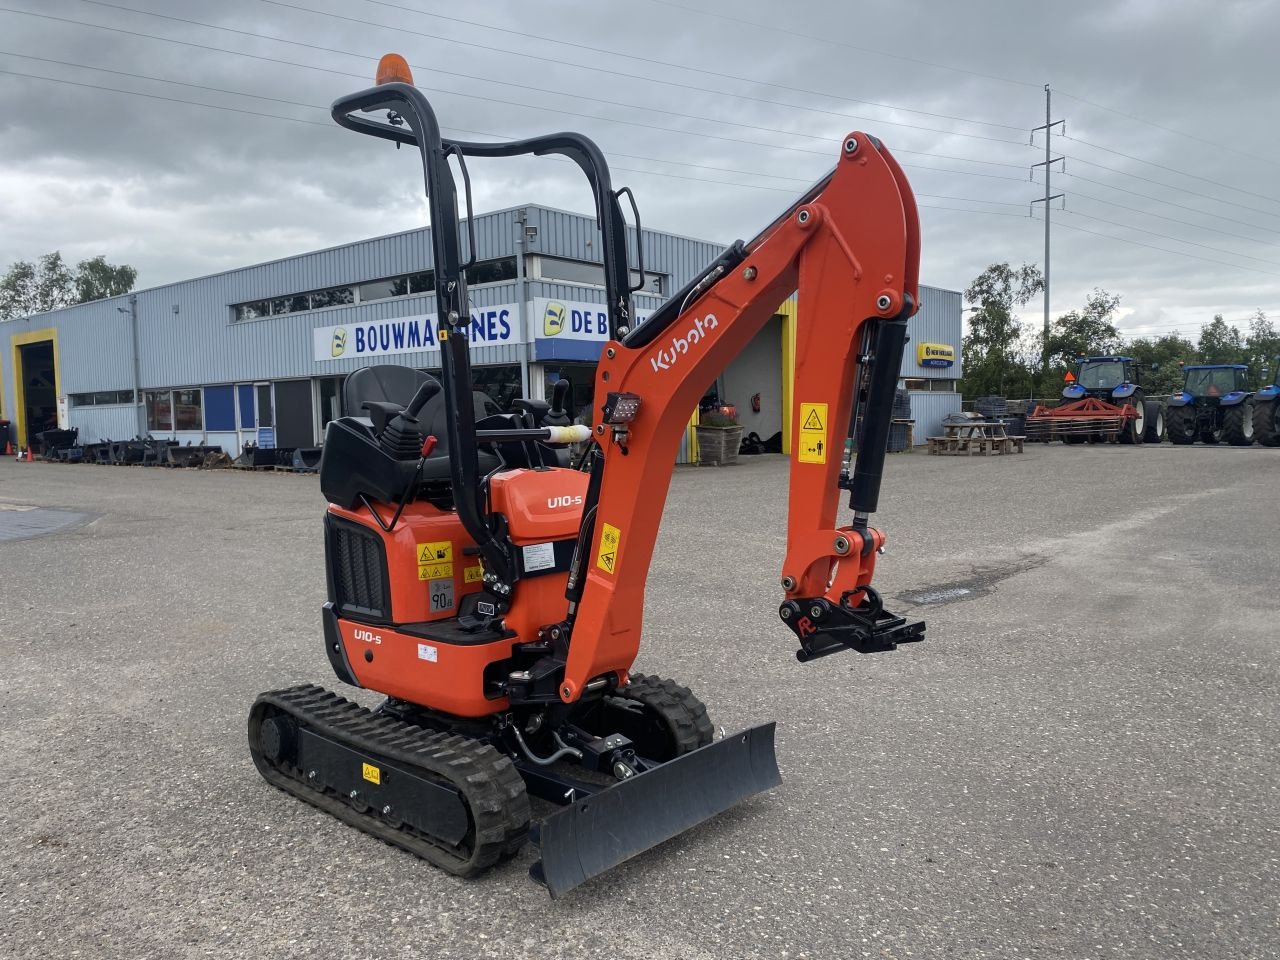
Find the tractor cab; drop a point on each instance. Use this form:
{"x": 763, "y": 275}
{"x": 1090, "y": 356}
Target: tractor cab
{"x": 1213, "y": 384}
{"x": 1106, "y": 378}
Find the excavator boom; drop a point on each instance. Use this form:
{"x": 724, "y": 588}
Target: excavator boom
{"x": 850, "y": 250}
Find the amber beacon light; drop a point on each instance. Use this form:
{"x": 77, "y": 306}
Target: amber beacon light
{"x": 393, "y": 68}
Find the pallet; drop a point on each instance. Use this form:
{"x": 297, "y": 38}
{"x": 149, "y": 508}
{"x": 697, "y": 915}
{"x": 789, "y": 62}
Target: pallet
{"x": 971, "y": 446}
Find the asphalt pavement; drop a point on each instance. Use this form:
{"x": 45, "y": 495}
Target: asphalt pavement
{"x": 1080, "y": 761}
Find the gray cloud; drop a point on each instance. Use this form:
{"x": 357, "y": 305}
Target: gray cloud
{"x": 182, "y": 190}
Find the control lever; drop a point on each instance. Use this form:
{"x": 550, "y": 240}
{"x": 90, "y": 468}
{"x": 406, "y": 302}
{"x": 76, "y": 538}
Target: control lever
{"x": 560, "y": 411}
{"x": 420, "y": 399}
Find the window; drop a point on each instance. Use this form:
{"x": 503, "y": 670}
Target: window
{"x": 334, "y": 297}
{"x": 295, "y": 303}
{"x": 575, "y": 271}
{"x": 187, "y": 410}
{"x": 930, "y": 385}
{"x": 500, "y": 270}
{"x": 492, "y": 271}
{"x": 101, "y": 398}
{"x": 159, "y": 409}
{"x": 381, "y": 289}
{"x": 501, "y": 382}
{"x": 264, "y": 405}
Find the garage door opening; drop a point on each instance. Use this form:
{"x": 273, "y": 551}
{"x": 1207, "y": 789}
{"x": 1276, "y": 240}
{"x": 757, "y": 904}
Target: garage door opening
{"x": 36, "y": 389}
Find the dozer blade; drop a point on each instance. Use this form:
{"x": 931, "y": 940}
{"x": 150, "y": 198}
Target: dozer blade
{"x": 592, "y": 835}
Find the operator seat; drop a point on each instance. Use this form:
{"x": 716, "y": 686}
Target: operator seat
{"x": 378, "y": 393}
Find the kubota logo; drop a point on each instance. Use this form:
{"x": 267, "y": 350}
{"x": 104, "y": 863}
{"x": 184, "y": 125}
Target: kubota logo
{"x": 553, "y": 319}
{"x": 368, "y": 636}
{"x": 565, "y": 501}
{"x": 338, "y": 346}
{"x": 668, "y": 356}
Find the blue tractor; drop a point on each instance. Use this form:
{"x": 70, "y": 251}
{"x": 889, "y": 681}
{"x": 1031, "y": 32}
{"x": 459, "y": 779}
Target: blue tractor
{"x": 1266, "y": 409}
{"x": 1215, "y": 403}
{"x": 1118, "y": 381}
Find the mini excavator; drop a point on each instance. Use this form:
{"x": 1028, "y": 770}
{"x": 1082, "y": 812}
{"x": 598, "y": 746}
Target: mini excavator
{"x": 494, "y": 594}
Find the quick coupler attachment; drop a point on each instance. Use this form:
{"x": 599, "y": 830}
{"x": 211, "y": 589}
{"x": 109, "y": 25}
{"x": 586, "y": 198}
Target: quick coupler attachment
{"x": 823, "y": 627}
{"x": 593, "y": 834}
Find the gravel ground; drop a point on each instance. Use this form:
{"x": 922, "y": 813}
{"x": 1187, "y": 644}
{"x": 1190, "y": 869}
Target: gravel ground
{"x": 1080, "y": 761}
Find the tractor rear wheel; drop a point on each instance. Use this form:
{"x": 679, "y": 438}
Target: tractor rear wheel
{"x": 1134, "y": 429}
{"x": 1237, "y": 423}
{"x": 1154, "y": 410}
{"x": 1181, "y": 422}
{"x": 1266, "y": 422}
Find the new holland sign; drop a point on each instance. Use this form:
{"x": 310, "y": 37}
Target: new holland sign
{"x": 935, "y": 354}
{"x": 399, "y": 335}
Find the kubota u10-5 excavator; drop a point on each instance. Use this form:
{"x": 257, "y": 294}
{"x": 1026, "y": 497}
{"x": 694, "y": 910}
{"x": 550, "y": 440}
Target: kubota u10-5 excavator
{"x": 495, "y": 595}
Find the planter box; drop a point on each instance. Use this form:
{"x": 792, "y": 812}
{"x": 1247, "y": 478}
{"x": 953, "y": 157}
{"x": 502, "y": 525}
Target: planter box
{"x": 718, "y": 445}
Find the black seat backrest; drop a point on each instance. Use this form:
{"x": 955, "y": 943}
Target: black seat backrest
{"x": 385, "y": 383}
{"x": 434, "y": 422}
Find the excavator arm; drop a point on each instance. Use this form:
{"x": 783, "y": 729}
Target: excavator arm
{"x": 850, "y": 249}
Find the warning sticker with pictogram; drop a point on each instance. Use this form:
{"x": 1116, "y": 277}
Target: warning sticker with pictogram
{"x": 610, "y": 541}
{"x": 813, "y": 443}
{"x": 438, "y": 551}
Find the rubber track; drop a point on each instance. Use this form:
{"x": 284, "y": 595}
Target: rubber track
{"x": 488, "y": 782}
{"x": 683, "y": 713}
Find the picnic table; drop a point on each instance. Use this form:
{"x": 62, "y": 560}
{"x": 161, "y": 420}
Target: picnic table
{"x": 975, "y": 437}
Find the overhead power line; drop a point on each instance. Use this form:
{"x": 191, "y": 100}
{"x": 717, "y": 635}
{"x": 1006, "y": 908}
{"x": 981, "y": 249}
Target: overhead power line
{"x": 372, "y": 58}
{"x": 1076, "y": 194}
{"x": 616, "y": 103}
{"x": 1169, "y": 203}
{"x": 335, "y": 128}
{"x": 1165, "y": 236}
{"x": 613, "y": 103}
{"x": 595, "y": 48}
{"x": 1219, "y": 144}
{"x": 1181, "y": 173}
{"x": 345, "y": 73}
{"x": 775, "y": 28}
{"x": 1179, "y": 253}
{"x": 1169, "y": 186}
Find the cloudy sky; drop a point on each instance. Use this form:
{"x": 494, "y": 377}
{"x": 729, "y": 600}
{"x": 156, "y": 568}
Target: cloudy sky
{"x": 715, "y": 112}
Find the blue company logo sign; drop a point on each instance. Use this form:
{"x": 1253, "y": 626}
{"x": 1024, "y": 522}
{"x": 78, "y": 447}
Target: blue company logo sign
{"x": 375, "y": 338}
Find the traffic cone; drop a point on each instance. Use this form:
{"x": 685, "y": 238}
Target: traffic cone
{"x": 31, "y": 457}
{"x": 8, "y": 448}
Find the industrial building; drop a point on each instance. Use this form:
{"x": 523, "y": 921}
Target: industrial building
{"x": 258, "y": 354}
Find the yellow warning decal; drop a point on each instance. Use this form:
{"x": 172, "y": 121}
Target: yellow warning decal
{"x": 473, "y": 574}
{"x": 437, "y": 551}
{"x": 610, "y": 541}
{"x": 371, "y": 773}
{"x": 435, "y": 560}
{"x": 813, "y": 433}
{"x": 435, "y": 571}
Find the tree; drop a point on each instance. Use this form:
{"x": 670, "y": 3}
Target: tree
{"x": 1221, "y": 343}
{"x": 1085, "y": 333}
{"x": 1263, "y": 345}
{"x": 994, "y": 350}
{"x": 30, "y": 288}
{"x": 1167, "y": 353}
{"x": 96, "y": 279}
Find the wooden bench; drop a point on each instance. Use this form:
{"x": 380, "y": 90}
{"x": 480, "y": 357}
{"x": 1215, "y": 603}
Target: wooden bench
{"x": 975, "y": 438}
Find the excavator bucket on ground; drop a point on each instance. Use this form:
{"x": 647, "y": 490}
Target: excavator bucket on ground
{"x": 595, "y": 833}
